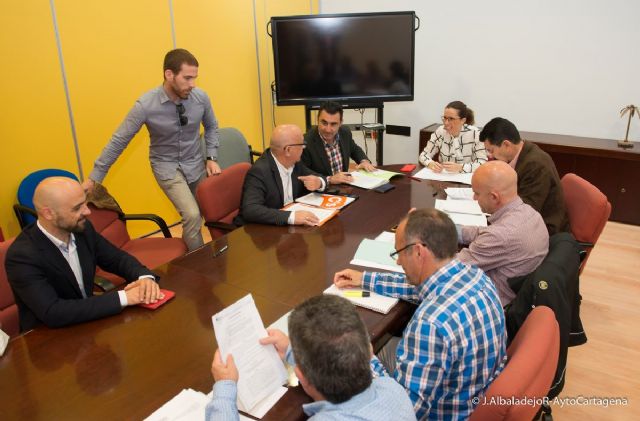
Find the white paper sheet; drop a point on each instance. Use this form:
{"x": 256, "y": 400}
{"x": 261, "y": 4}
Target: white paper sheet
{"x": 466, "y": 219}
{"x": 469, "y": 207}
{"x": 427, "y": 174}
{"x": 282, "y": 323}
{"x": 386, "y": 237}
{"x": 262, "y": 407}
{"x": 375, "y": 254}
{"x": 459, "y": 193}
{"x": 238, "y": 329}
{"x": 188, "y": 405}
{"x": 365, "y": 181}
{"x": 376, "y": 302}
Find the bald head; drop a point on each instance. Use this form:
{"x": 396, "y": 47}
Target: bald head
{"x": 53, "y": 192}
{"x": 495, "y": 184}
{"x": 61, "y": 205}
{"x": 287, "y": 144}
{"x": 285, "y": 134}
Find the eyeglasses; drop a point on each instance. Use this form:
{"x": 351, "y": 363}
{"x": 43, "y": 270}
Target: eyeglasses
{"x": 446, "y": 119}
{"x": 394, "y": 255}
{"x": 303, "y": 144}
{"x": 183, "y": 118}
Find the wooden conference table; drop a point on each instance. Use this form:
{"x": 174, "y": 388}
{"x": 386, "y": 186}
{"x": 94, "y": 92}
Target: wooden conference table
{"x": 127, "y": 366}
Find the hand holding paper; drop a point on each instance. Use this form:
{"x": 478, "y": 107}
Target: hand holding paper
{"x": 278, "y": 339}
{"x": 222, "y": 371}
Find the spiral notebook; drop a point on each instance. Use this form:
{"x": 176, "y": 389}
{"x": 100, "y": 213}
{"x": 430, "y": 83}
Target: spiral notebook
{"x": 376, "y": 302}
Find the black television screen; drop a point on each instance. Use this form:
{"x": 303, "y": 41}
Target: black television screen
{"x": 360, "y": 58}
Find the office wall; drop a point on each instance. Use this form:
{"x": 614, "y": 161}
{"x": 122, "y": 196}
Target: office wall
{"x": 556, "y": 67}
{"x": 112, "y": 53}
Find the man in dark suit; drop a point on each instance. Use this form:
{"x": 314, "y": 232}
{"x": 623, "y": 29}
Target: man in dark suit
{"x": 277, "y": 179}
{"x": 538, "y": 181}
{"x": 51, "y": 265}
{"x": 329, "y": 146}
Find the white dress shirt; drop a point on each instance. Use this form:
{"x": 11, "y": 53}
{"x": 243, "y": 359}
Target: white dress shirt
{"x": 287, "y": 187}
{"x": 70, "y": 253}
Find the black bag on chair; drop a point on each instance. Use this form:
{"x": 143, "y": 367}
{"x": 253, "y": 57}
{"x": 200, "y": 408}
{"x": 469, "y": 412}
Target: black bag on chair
{"x": 555, "y": 284}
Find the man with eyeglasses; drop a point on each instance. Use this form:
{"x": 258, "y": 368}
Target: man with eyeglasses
{"x": 277, "y": 179}
{"x": 173, "y": 114}
{"x": 330, "y": 146}
{"x": 455, "y": 343}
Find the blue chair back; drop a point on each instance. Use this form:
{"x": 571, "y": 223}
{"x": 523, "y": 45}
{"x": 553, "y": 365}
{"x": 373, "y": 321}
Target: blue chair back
{"x": 28, "y": 186}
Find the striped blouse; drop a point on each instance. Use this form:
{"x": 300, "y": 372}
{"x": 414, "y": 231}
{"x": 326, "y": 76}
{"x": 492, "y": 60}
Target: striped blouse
{"x": 466, "y": 148}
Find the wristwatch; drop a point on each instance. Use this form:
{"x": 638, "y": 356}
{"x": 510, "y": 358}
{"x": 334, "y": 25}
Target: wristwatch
{"x": 210, "y": 158}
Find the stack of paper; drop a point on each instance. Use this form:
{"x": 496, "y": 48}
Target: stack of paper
{"x": 375, "y": 302}
{"x": 463, "y": 212}
{"x": 459, "y": 193}
{"x": 427, "y": 174}
{"x": 375, "y": 254}
{"x": 238, "y": 329}
{"x": 325, "y": 201}
{"x": 371, "y": 180}
{"x": 187, "y": 405}
{"x": 323, "y": 214}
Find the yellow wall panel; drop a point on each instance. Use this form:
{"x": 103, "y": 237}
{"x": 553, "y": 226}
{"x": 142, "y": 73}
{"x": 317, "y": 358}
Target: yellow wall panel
{"x": 113, "y": 52}
{"x": 220, "y": 34}
{"x": 271, "y": 113}
{"x": 34, "y": 125}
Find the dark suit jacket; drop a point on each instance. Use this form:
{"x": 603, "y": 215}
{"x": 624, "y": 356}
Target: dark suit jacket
{"x": 315, "y": 156}
{"x": 263, "y": 193}
{"x": 539, "y": 186}
{"x": 45, "y": 287}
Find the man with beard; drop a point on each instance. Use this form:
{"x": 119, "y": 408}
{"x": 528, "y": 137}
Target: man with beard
{"x": 51, "y": 265}
{"x": 173, "y": 114}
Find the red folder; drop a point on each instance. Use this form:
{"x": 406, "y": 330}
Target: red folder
{"x": 167, "y": 296}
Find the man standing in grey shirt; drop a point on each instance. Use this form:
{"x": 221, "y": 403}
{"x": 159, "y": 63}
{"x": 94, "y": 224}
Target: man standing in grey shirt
{"x": 172, "y": 113}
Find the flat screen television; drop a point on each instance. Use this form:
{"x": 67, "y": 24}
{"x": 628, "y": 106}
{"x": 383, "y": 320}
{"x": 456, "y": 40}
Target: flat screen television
{"x": 363, "y": 58}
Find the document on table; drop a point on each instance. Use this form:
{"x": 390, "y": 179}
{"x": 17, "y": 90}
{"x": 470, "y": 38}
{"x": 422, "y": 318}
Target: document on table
{"x": 325, "y": 201}
{"x": 365, "y": 181}
{"x": 376, "y": 302}
{"x": 323, "y": 214}
{"x": 459, "y": 193}
{"x": 463, "y": 212}
{"x": 238, "y": 329}
{"x": 188, "y": 405}
{"x": 427, "y": 174}
{"x": 375, "y": 254}
{"x": 469, "y": 207}
{"x": 383, "y": 174}
{"x": 387, "y": 237}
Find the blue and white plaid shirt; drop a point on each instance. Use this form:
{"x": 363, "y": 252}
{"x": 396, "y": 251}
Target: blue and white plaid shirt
{"x": 455, "y": 343}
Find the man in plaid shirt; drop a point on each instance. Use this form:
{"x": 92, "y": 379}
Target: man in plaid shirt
{"x": 455, "y": 343}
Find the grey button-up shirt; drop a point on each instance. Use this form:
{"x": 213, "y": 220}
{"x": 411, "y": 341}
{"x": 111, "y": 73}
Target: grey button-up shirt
{"x": 172, "y": 146}
{"x": 514, "y": 244}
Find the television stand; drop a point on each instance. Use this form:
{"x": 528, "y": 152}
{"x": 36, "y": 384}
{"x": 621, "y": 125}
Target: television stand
{"x": 379, "y": 108}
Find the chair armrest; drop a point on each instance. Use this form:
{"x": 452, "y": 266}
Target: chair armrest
{"x": 148, "y": 217}
{"x": 253, "y": 153}
{"x": 102, "y": 284}
{"x": 584, "y": 247}
{"x": 19, "y": 210}
{"x": 220, "y": 225}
